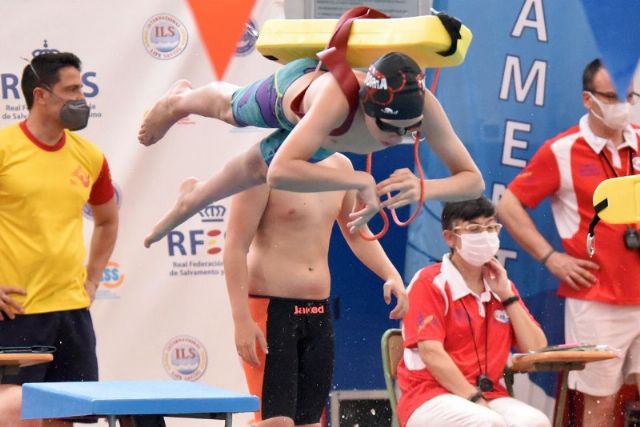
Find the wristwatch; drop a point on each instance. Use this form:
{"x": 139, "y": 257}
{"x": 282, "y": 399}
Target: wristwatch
{"x": 476, "y": 396}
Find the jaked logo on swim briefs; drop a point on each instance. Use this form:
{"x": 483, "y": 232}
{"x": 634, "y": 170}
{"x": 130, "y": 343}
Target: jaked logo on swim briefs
{"x": 184, "y": 358}
{"x": 314, "y": 309}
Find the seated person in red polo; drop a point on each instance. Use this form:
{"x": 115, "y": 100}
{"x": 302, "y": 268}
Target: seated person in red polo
{"x": 464, "y": 317}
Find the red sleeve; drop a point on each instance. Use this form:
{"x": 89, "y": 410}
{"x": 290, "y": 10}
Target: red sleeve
{"x": 102, "y": 190}
{"x": 425, "y": 318}
{"x": 539, "y": 179}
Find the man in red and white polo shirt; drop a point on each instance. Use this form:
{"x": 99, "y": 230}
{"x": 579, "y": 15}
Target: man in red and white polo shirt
{"x": 464, "y": 317}
{"x": 602, "y": 293}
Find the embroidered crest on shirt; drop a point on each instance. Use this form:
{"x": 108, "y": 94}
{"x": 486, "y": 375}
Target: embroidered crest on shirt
{"x": 501, "y": 316}
{"x": 424, "y": 321}
{"x": 79, "y": 176}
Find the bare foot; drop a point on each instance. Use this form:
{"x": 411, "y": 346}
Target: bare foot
{"x": 163, "y": 114}
{"x": 176, "y": 216}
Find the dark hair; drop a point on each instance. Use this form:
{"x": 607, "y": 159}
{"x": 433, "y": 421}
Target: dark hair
{"x": 589, "y": 73}
{"x": 466, "y": 211}
{"x": 42, "y": 71}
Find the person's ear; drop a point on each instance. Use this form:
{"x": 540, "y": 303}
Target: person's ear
{"x": 586, "y": 100}
{"x": 450, "y": 238}
{"x": 39, "y": 95}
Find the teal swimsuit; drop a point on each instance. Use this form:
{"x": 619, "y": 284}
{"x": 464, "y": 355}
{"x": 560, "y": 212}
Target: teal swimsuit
{"x": 260, "y": 104}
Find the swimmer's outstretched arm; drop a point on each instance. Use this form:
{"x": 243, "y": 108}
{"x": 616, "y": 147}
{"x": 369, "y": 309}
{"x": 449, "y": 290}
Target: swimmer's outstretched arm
{"x": 465, "y": 181}
{"x": 243, "y": 171}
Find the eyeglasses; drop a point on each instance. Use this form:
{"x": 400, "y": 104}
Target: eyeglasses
{"x": 386, "y": 127}
{"x": 479, "y": 228}
{"x": 632, "y": 97}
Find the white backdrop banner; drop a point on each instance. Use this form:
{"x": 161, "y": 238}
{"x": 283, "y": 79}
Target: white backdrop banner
{"x": 163, "y": 312}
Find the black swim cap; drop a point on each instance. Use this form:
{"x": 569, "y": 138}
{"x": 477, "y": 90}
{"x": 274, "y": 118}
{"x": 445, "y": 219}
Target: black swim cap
{"x": 393, "y": 88}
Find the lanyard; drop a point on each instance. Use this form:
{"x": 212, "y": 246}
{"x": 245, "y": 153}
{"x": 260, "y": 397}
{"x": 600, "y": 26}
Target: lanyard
{"x": 602, "y": 155}
{"x": 473, "y": 336}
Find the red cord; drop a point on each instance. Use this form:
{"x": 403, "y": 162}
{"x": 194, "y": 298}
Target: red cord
{"x": 416, "y": 159}
{"x": 383, "y": 214}
{"x": 434, "y": 82}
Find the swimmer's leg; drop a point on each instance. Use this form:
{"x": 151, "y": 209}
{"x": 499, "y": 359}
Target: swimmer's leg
{"x": 212, "y": 100}
{"x": 243, "y": 171}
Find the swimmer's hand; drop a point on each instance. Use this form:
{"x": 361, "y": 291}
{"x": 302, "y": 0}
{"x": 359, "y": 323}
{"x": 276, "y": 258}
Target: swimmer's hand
{"x": 247, "y": 335}
{"x": 368, "y": 205}
{"x": 405, "y": 184}
{"x": 396, "y": 287}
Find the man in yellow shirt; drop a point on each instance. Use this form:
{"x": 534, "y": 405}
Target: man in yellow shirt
{"x": 47, "y": 174}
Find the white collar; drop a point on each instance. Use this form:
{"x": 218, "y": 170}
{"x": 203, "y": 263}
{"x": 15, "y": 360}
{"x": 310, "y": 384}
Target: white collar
{"x": 598, "y": 143}
{"x": 458, "y": 286}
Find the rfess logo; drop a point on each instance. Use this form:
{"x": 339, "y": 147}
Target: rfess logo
{"x": 110, "y": 282}
{"x": 193, "y": 241}
{"x": 184, "y": 358}
{"x": 196, "y": 251}
{"x": 112, "y": 277}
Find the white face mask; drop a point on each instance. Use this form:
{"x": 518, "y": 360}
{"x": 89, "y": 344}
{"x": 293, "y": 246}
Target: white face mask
{"x": 478, "y": 248}
{"x": 614, "y": 116}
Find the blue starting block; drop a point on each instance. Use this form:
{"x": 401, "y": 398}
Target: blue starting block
{"x": 143, "y": 403}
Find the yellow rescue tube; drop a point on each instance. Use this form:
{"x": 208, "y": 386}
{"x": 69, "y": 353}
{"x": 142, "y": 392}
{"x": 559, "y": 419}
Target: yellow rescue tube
{"x": 623, "y": 199}
{"x": 420, "y": 37}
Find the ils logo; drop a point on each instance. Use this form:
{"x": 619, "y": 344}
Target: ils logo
{"x": 248, "y": 41}
{"x": 193, "y": 242}
{"x": 86, "y": 209}
{"x": 184, "y": 358}
{"x": 164, "y": 36}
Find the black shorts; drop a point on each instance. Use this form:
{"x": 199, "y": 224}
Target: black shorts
{"x": 70, "y": 332}
{"x": 294, "y": 379}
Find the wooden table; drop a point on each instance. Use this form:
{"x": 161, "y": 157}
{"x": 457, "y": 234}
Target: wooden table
{"x": 560, "y": 361}
{"x": 10, "y": 363}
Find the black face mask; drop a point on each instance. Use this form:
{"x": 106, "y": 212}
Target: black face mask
{"x": 74, "y": 115}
